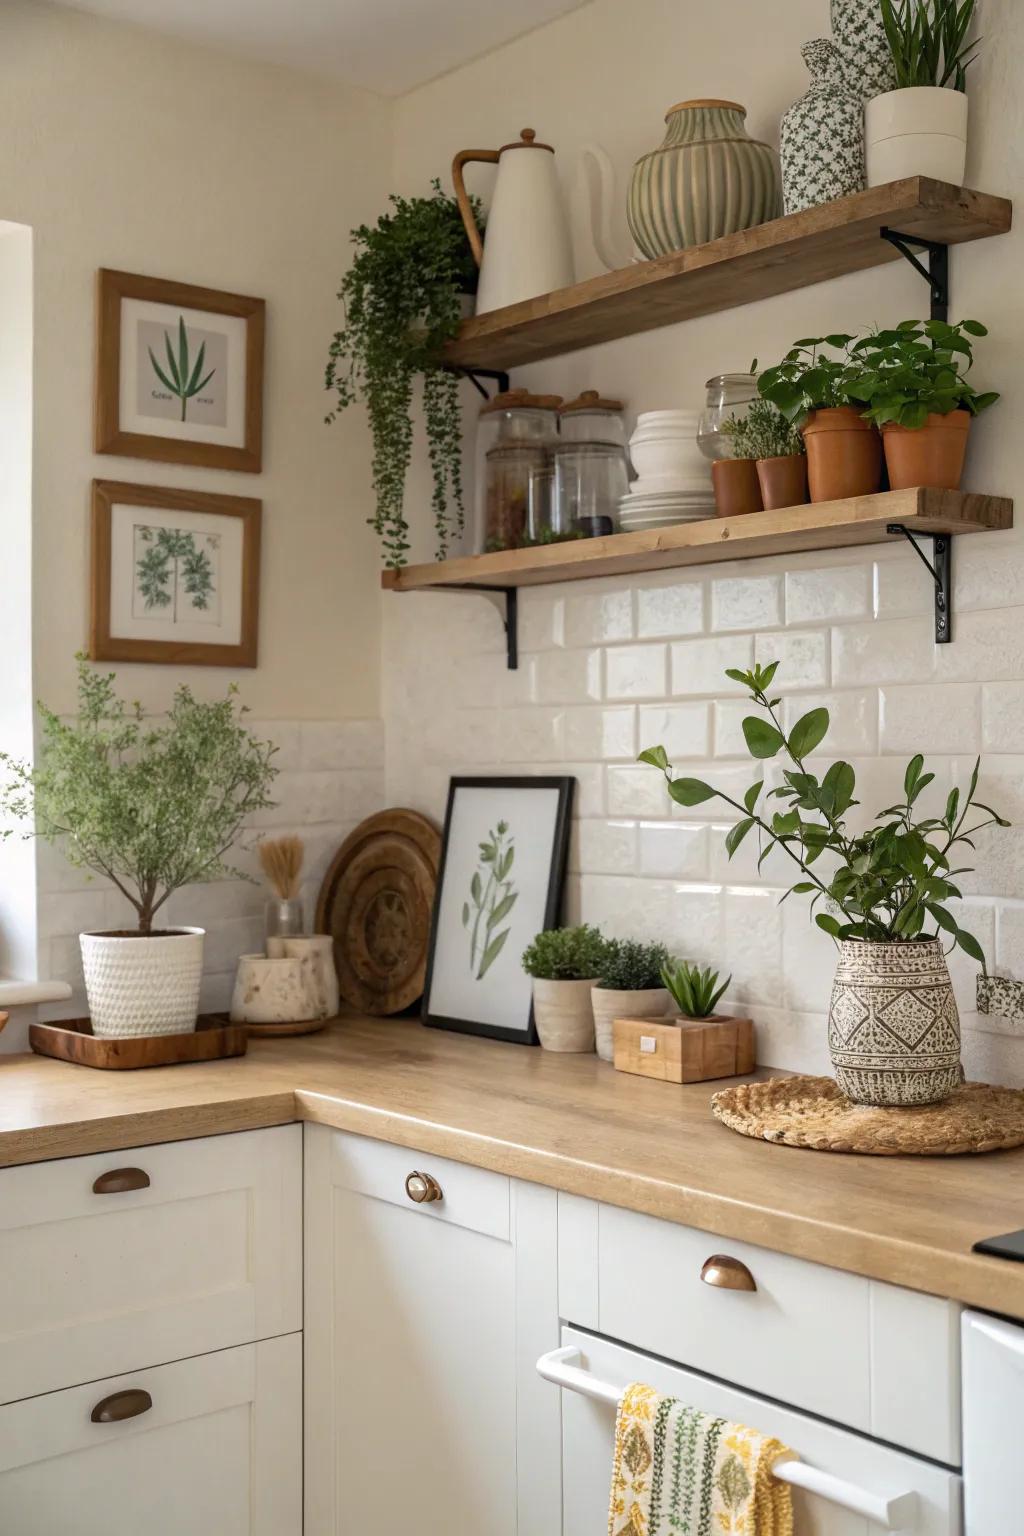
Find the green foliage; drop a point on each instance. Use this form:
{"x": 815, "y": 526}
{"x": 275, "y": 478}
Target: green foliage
{"x": 811, "y": 377}
{"x": 401, "y": 297}
{"x": 918, "y": 369}
{"x": 928, "y": 41}
{"x": 696, "y": 991}
{"x": 891, "y": 882}
{"x": 762, "y": 433}
{"x": 169, "y": 550}
{"x": 183, "y": 378}
{"x": 492, "y": 895}
{"x": 565, "y": 954}
{"x": 150, "y": 807}
{"x": 629, "y": 966}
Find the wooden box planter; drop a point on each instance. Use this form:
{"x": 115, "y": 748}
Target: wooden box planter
{"x": 682, "y": 1050}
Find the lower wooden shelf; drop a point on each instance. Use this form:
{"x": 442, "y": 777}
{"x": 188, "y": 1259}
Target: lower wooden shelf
{"x": 826, "y": 525}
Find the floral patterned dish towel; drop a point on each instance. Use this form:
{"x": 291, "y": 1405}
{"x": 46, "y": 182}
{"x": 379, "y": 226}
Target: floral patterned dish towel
{"x": 680, "y": 1472}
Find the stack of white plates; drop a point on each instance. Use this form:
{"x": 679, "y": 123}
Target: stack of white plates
{"x": 675, "y": 478}
{"x": 659, "y": 510}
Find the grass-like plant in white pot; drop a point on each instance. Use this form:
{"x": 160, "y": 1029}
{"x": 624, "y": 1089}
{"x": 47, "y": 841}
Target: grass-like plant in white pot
{"x": 151, "y": 807}
{"x": 629, "y": 986}
{"x": 920, "y": 129}
{"x": 565, "y": 964}
{"x": 894, "y": 1031}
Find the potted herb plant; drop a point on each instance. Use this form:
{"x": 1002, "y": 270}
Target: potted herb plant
{"x": 629, "y": 983}
{"x": 920, "y": 129}
{"x": 696, "y": 992}
{"x": 813, "y": 387}
{"x": 914, "y": 381}
{"x": 777, "y": 449}
{"x": 894, "y": 1031}
{"x": 565, "y": 964}
{"x": 736, "y": 486}
{"x": 404, "y": 298}
{"x": 150, "y": 807}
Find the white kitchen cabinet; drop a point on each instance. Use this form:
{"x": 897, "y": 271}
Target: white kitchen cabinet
{"x": 218, "y": 1452}
{"x": 993, "y": 1413}
{"x": 424, "y": 1322}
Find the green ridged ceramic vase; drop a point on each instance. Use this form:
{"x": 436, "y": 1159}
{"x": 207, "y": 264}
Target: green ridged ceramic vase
{"x": 707, "y": 179}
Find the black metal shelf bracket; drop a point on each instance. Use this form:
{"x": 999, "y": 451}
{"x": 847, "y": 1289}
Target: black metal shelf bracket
{"x": 940, "y": 569}
{"x": 935, "y": 274}
{"x": 474, "y": 375}
{"x": 509, "y": 612}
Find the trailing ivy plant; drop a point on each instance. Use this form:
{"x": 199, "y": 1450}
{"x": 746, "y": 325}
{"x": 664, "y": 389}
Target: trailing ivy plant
{"x": 928, "y": 41}
{"x": 401, "y": 297}
{"x": 891, "y": 882}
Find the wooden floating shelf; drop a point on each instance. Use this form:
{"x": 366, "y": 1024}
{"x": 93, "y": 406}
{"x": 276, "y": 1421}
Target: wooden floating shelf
{"x": 826, "y": 525}
{"x": 792, "y": 252}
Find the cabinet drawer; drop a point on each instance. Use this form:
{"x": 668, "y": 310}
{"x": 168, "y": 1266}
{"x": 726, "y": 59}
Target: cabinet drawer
{"x": 201, "y": 1251}
{"x": 218, "y": 1452}
{"x": 873, "y": 1356}
{"x": 471, "y": 1197}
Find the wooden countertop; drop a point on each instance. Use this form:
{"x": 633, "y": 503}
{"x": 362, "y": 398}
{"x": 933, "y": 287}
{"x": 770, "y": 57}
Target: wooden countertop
{"x": 570, "y": 1122}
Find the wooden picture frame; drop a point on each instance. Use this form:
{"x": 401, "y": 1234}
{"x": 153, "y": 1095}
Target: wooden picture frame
{"x": 134, "y": 384}
{"x": 113, "y": 611}
{"x": 504, "y": 1009}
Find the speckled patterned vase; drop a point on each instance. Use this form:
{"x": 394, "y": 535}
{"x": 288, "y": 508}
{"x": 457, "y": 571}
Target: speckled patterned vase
{"x": 864, "y": 53}
{"x": 822, "y": 135}
{"x": 893, "y": 1026}
{"x": 707, "y": 179}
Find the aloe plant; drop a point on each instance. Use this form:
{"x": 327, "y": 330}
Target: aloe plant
{"x": 696, "y": 991}
{"x": 492, "y": 895}
{"x": 183, "y": 376}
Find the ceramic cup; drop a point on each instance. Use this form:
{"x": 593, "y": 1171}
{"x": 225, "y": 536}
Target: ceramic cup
{"x": 315, "y": 953}
{"x": 272, "y": 991}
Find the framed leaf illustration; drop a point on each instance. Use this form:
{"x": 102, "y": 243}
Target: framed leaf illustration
{"x": 501, "y": 880}
{"x": 179, "y": 373}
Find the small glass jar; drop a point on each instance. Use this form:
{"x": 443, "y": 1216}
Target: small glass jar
{"x": 590, "y": 482}
{"x": 283, "y": 919}
{"x": 589, "y": 419}
{"x": 728, "y": 395}
{"x": 540, "y": 492}
{"x": 516, "y": 433}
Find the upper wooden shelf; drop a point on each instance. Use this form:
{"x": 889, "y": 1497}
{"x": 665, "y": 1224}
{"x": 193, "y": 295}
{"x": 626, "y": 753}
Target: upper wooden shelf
{"x": 826, "y": 525}
{"x": 793, "y": 252}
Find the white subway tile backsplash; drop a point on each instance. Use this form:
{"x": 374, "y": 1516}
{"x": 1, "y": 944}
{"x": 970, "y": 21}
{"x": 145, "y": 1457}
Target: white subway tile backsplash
{"x": 931, "y": 718}
{"x": 746, "y": 602}
{"x": 601, "y": 734}
{"x": 597, "y": 618}
{"x": 541, "y": 619}
{"x": 529, "y": 736}
{"x": 637, "y": 790}
{"x": 682, "y": 729}
{"x": 699, "y": 666}
{"x": 803, "y": 657}
{"x": 566, "y": 677}
{"x": 666, "y": 609}
{"x": 1002, "y": 717}
{"x": 605, "y": 847}
{"x": 624, "y": 908}
{"x": 756, "y": 964}
{"x": 340, "y": 744}
{"x": 828, "y": 595}
{"x": 853, "y": 720}
{"x": 669, "y": 851}
{"x": 894, "y": 651}
{"x": 696, "y": 930}
{"x": 729, "y": 715}
{"x": 636, "y": 672}
{"x": 987, "y": 647}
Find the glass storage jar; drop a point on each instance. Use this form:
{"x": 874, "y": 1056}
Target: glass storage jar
{"x": 516, "y": 434}
{"x": 728, "y": 395}
{"x": 590, "y": 482}
{"x": 589, "y": 419}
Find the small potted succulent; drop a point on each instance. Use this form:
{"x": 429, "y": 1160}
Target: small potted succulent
{"x": 777, "y": 449}
{"x": 914, "y": 382}
{"x": 920, "y": 129}
{"x": 813, "y": 387}
{"x": 565, "y": 964}
{"x": 629, "y": 985}
{"x": 696, "y": 991}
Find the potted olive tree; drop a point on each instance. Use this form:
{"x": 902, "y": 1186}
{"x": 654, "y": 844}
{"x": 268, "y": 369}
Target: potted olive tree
{"x": 894, "y": 1031}
{"x": 151, "y": 807}
{"x": 565, "y": 964}
{"x": 920, "y": 129}
{"x": 814, "y": 388}
{"x": 629, "y": 984}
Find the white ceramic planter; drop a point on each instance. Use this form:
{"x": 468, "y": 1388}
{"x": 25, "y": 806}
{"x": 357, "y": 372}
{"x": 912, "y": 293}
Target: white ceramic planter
{"x": 274, "y": 991}
{"x": 920, "y": 131}
{"x": 563, "y": 1014}
{"x": 609, "y": 1005}
{"x": 143, "y": 985}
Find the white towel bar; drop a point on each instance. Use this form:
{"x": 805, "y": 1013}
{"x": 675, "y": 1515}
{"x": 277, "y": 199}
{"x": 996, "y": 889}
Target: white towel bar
{"x": 899, "y": 1513}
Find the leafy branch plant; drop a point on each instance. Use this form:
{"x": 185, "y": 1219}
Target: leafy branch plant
{"x": 811, "y": 377}
{"x": 916, "y": 370}
{"x": 151, "y": 807}
{"x": 889, "y": 883}
{"x": 928, "y": 41}
{"x": 182, "y": 378}
{"x": 696, "y": 991}
{"x": 492, "y": 895}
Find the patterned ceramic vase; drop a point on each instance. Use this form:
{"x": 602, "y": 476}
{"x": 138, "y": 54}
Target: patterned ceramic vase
{"x": 708, "y": 178}
{"x": 822, "y": 136}
{"x": 893, "y": 1026}
{"x": 860, "y": 37}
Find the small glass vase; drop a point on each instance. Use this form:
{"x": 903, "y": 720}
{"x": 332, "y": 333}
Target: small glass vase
{"x": 283, "y": 919}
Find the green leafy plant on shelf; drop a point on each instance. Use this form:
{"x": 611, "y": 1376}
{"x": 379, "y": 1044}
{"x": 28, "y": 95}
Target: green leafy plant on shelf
{"x": 492, "y": 895}
{"x": 917, "y": 370}
{"x": 565, "y": 954}
{"x": 928, "y": 40}
{"x": 763, "y": 432}
{"x": 816, "y": 374}
{"x": 402, "y": 297}
{"x": 628, "y": 965}
{"x": 695, "y": 990}
{"x": 890, "y": 882}
{"x": 183, "y": 378}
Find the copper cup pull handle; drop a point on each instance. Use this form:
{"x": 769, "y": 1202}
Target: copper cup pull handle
{"x": 121, "y": 1405}
{"x": 727, "y": 1273}
{"x": 423, "y": 1188}
{"x": 119, "y": 1180}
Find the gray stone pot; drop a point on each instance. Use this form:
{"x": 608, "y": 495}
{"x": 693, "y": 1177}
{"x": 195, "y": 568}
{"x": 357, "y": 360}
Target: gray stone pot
{"x": 893, "y": 1026}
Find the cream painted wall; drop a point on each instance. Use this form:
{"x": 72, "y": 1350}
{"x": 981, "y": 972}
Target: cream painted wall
{"x": 125, "y": 149}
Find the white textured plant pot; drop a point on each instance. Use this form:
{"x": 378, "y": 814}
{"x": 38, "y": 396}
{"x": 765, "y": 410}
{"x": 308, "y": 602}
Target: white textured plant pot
{"x": 893, "y": 1025}
{"x": 143, "y": 985}
{"x": 563, "y": 1014}
{"x": 609, "y": 1005}
{"x": 920, "y": 131}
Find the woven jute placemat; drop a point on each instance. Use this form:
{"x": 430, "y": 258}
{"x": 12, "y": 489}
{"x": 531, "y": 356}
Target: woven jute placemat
{"x": 813, "y": 1112}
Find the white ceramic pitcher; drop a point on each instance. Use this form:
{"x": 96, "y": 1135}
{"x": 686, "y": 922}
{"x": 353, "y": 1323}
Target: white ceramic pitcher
{"x": 527, "y": 250}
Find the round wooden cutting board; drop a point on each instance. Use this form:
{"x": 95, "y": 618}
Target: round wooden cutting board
{"x": 376, "y": 902}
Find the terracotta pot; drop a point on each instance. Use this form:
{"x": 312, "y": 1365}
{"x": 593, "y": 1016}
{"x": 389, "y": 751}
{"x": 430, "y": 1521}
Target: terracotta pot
{"x": 609, "y": 1004}
{"x": 563, "y": 1014}
{"x": 737, "y": 489}
{"x": 783, "y": 481}
{"x": 929, "y": 455}
{"x": 844, "y": 454}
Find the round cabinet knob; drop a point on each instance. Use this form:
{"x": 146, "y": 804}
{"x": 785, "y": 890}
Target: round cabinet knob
{"x": 727, "y": 1273}
{"x": 423, "y": 1188}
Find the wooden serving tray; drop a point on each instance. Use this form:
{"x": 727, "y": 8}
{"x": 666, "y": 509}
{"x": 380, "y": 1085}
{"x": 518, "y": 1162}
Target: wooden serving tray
{"x": 73, "y": 1040}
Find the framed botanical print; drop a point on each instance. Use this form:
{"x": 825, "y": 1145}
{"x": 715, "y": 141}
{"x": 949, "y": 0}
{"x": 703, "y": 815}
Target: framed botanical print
{"x": 501, "y": 881}
{"x": 179, "y": 374}
{"x": 175, "y": 576}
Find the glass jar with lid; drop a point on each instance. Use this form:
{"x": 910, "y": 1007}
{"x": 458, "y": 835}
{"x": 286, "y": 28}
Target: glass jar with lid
{"x": 590, "y": 481}
{"x": 590, "y": 419}
{"x": 516, "y": 436}
{"x": 728, "y": 395}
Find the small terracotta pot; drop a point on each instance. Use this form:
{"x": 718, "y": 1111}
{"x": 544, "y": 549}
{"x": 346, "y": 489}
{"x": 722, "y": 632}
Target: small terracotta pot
{"x": 930, "y": 455}
{"x": 783, "y": 481}
{"x": 737, "y": 489}
{"x": 844, "y": 454}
